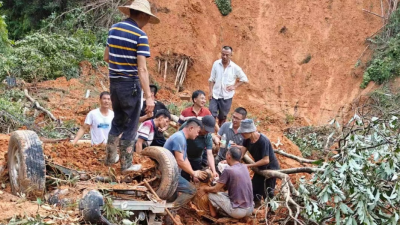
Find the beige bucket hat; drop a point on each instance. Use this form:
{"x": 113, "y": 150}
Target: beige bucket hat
{"x": 142, "y": 6}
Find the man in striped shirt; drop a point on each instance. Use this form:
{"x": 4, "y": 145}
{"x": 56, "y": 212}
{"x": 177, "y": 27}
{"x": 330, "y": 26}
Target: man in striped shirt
{"x": 126, "y": 53}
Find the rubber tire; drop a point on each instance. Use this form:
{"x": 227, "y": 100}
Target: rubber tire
{"x": 169, "y": 170}
{"x": 25, "y": 146}
{"x": 90, "y": 206}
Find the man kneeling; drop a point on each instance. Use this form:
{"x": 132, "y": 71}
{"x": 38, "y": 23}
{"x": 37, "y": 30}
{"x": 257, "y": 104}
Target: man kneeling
{"x": 238, "y": 202}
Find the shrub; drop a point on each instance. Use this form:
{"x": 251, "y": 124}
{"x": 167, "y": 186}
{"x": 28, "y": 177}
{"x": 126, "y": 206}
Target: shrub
{"x": 43, "y": 56}
{"x": 385, "y": 63}
{"x": 224, "y": 6}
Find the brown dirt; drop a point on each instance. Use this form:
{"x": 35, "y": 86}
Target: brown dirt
{"x": 270, "y": 39}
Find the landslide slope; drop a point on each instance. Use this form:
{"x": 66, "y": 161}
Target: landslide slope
{"x": 272, "y": 42}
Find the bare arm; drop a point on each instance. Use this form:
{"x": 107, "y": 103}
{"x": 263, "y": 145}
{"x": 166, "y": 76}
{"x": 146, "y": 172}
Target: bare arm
{"x": 144, "y": 82}
{"x": 81, "y": 132}
{"x": 106, "y": 54}
{"x": 261, "y": 162}
{"x": 184, "y": 164}
{"x": 145, "y": 117}
{"x": 233, "y": 87}
{"x": 211, "y": 162}
{"x": 138, "y": 146}
{"x": 214, "y": 189}
{"x": 210, "y": 87}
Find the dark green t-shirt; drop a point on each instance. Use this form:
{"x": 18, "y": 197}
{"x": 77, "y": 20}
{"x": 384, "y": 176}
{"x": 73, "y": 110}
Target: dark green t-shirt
{"x": 196, "y": 147}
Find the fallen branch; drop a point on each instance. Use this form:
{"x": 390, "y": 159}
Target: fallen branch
{"x": 299, "y": 159}
{"x": 287, "y": 188}
{"x": 37, "y": 105}
{"x": 300, "y": 170}
{"x": 373, "y": 13}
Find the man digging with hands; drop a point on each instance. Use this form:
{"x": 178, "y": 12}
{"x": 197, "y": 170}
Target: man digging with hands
{"x": 178, "y": 146}
{"x": 261, "y": 150}
{"x": 238, "y": 202}
{"x": 202, "y": 143}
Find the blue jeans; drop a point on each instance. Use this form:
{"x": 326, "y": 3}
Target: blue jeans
{"x": 185, "y": 186}
{"x": 126, "y": 101}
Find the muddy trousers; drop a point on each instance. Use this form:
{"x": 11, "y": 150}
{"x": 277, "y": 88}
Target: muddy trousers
{"x": 185, "y": 191}
{"x": 262, "y": 187}
{"x": 126, "y": 102}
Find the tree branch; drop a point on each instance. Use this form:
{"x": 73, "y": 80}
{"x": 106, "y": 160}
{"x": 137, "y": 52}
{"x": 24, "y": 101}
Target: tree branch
{"x": 299, "y": 159}
{"x": 301, "y": 170}
{"x": 37, "y": 105}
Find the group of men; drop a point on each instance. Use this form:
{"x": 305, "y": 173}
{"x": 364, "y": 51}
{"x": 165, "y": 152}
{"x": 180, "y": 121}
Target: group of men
{"x": 126, "y": 52}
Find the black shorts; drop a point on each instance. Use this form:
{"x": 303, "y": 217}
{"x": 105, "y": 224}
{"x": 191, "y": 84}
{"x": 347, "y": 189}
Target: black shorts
{"x": 220, "y": 107}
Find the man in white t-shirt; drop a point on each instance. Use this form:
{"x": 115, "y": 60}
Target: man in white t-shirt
{"x": 146, "y": 132}
{"x": 98, "y": 121}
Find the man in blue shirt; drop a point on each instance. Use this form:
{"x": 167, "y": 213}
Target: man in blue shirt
{"x": 178, "y": 146}
{"x": 200, "y": 145}
{"x": 126, "y": 53}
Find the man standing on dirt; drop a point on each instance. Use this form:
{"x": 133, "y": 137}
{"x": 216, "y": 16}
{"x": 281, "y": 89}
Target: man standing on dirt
{"x": 147, "y": 130}
{"x": 178, "y": 146}
{"x": 230, "y": 130}
{"x": 126, "y": 53}
{"x": 238, "y": 202}
{"x": 202, "y": 143}
{"x": 197, "y": 110}
{"x": 98, "y": 121}
{"x": 222, "y": 84}
{"x": 263, "y": 154}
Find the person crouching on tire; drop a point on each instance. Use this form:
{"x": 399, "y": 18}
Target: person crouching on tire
{"x": 177, "y": 144}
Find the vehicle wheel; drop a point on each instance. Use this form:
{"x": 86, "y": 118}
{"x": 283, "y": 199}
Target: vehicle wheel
{"x": 169, "y": 170}
{"x": 26, "y": 164}
{"x": 90, "y": 207}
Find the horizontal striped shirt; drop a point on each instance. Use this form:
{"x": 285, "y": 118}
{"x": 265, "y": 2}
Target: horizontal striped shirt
{"x": 125, "y": 42}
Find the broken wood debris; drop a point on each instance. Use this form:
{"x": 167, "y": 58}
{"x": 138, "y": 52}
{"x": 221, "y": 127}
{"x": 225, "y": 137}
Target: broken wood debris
{"x": 177, "y": 63}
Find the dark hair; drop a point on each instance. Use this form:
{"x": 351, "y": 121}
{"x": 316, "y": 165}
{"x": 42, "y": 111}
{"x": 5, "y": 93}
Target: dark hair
{"x": 163, "y": 112}
{"x": 104, "y": 93}
{"x": 242, "y": 111}
{"x": 197, "y": 93}
{"x": 193, "y": 122}
{"x": 235, "y": 152}
{"x": 227, "y": 48}
{"x": 154, "y": 89}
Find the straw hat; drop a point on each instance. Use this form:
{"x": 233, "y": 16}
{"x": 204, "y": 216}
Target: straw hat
{"x": 142, "y": 6}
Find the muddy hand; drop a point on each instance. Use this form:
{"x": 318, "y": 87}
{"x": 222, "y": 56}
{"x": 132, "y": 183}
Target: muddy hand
{"x": 149, "y": 105}
{"x": 200, "y": 174}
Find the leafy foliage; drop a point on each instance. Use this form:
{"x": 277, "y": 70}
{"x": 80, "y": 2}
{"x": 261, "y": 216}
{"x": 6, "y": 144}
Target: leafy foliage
{"x": 24, "y": 16}
{"x": 224, "y": 6}
{"x": 360, "y": 183}
{"x": 4, "y": 42}
{"x": 47, "y": 56}
{"x": 385, "y": 63}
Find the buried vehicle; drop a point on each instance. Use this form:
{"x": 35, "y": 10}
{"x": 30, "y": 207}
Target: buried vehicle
{"x": 29, "y": 168}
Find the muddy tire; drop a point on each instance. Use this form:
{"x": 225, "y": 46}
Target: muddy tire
{"x": 169, "y": 170}
{"x": 26, "y": 164}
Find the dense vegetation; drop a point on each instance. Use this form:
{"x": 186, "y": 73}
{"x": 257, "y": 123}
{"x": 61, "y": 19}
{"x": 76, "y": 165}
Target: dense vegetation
{"x": 51, "y": 38}
{"x": 359, "y": 183}
{"x": 385, "y": 64}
